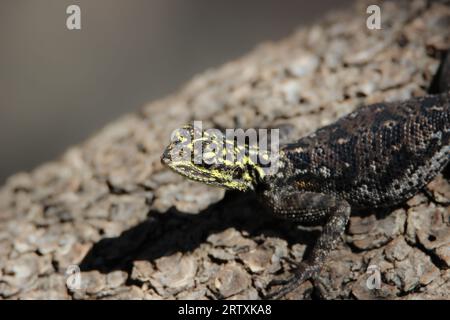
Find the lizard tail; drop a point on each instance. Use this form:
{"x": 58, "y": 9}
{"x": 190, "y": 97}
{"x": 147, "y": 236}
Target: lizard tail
{"x": 441, "y": 81}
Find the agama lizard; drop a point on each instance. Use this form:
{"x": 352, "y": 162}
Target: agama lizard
{"x": 377, "y": 156}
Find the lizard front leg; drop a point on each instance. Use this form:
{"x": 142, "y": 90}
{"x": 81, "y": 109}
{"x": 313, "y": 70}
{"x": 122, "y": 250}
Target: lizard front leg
{"x": 312, "y": 208}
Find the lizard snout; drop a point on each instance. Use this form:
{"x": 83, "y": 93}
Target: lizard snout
{"x": 165, "y": 157}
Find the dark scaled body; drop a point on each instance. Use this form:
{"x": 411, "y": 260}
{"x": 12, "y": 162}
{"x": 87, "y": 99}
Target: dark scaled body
{"x": 379, "y": 155}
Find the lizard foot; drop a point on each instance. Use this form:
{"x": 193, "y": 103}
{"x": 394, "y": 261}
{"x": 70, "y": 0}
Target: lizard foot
{"x": 303, "y": 272}
{"x": 429, "y": 194}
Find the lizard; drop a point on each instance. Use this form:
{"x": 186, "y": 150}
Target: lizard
{"x": 379, "y": 155}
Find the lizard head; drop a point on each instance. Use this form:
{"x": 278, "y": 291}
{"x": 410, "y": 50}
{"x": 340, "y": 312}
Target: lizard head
{"x": 202, "y": 156}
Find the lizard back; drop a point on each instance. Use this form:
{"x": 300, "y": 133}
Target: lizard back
{"x": 378, "y": 155}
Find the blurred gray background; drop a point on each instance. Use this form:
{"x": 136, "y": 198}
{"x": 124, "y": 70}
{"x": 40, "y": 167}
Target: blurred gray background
{"x": 58, "y": 86}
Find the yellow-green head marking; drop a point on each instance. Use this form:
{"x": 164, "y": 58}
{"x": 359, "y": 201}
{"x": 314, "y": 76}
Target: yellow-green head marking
{"x": 213, "y": 158}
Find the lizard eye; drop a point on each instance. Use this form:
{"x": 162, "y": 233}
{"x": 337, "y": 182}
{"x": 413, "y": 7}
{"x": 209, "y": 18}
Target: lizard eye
{"x": 207, "y": 165}
{"x": 237, "y": 172}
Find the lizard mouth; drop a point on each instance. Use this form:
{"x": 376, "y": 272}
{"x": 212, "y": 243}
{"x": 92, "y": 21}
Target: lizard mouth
{"x": 191, "y": 172}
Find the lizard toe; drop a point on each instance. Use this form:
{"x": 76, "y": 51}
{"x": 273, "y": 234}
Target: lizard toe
{"x": 289, "y": 283}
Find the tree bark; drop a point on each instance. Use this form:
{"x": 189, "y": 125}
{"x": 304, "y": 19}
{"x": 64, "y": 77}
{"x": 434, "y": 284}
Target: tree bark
{"x": 136, "y": 230}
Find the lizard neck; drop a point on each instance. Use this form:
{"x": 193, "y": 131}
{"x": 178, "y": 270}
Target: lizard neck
{"x": 265, "y": 170}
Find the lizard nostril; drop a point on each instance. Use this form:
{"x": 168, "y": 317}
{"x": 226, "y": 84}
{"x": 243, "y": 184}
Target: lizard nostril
{"x": 165, "y": 158}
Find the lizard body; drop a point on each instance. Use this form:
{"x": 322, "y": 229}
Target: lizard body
{"x": 377, "y": 156}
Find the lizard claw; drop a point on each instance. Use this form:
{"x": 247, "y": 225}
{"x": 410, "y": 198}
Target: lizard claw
{"x": 303, "y": 272}
{"x": 290, "y": 283}
{"x": 429, "y": 194}
{"x": 280, "y": 282}
{"x": 294, "y": 264}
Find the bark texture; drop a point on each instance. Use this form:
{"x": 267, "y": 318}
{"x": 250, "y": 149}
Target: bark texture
{"x": 138, "y": 231}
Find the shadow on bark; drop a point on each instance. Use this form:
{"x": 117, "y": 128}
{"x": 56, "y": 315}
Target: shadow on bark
{"x": 165, "y": 233}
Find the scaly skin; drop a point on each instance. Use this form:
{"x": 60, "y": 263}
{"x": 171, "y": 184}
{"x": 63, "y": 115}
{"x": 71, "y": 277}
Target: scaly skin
{"x": 377, "y": 156}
